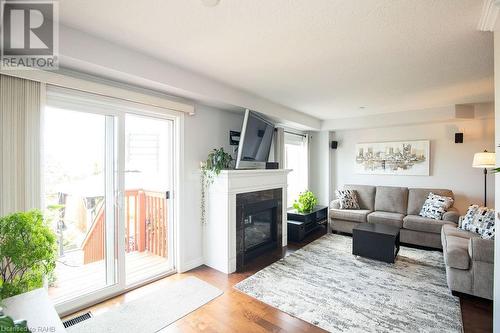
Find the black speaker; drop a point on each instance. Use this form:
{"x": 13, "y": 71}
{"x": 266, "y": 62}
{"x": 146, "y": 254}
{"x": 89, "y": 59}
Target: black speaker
{"x": 459, "y": 137}
{"x": 334, "y": 144}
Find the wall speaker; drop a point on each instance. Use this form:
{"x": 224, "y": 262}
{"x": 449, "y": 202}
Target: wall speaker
{"x": 334, "y": 144}
{"x": 459, "y": 137}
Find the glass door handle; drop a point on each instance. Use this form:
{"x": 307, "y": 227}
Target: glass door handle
{"x": 119, "y": 199}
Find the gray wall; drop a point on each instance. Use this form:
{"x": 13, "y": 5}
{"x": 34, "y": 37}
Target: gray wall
{"x": 206, "y": 130}
{"x": 320, "y": 180}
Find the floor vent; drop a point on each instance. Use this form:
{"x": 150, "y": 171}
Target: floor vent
{"x": 76, "y": 320}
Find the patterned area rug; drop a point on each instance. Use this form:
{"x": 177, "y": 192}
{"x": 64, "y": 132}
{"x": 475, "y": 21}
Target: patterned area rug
{"x": 325, "y": 285}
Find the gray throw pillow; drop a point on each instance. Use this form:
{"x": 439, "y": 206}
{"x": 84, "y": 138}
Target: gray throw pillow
{"x": 435, "y": 206}
{"x": 348, "y": 199}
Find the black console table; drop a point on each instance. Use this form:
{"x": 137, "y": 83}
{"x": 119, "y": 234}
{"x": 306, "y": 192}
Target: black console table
{"x": 302, "y": 224}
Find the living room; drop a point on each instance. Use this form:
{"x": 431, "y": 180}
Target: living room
{"x": 215, "y": 165}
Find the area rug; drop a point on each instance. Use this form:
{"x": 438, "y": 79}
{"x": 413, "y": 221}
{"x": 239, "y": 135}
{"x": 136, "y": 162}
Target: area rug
{"x": 153, "y": 312}
{"x": 325, "y": 285}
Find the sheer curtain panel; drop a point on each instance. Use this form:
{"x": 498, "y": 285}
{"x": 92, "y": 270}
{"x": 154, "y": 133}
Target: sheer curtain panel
{"x": 20, "y": 113}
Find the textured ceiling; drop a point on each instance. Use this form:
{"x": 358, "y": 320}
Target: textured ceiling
{"x": 326, "y": 58}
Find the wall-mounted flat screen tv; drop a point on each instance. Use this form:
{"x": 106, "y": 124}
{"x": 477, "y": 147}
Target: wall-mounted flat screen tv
{"x": 255, "y": 142}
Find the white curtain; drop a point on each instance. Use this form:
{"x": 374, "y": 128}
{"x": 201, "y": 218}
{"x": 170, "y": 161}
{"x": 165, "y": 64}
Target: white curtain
{"x": 20, "y": 110}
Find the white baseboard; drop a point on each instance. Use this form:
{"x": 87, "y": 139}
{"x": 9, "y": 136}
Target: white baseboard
{"x": 187, "y": 266}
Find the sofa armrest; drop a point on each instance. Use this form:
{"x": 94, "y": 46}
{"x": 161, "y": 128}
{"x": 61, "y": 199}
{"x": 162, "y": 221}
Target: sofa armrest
{"x": 452, "y": 215}
{"x": 481, "y": 249}
{"x": 335, "y": 204}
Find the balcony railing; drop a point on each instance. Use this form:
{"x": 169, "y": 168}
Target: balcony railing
{"x": 145, "y": 226}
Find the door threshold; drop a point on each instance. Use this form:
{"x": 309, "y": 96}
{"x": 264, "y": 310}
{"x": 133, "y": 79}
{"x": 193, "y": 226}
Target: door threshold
{"x": 82, "y": 307}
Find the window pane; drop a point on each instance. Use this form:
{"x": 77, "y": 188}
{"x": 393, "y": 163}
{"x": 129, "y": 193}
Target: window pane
{"x": 74, "y": 193}
{"x": 296, "y": 159}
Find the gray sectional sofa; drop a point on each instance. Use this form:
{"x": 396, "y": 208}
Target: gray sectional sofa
{"x": 396, "y": 206}
{"x": 469, "y": 261}
{"x": 468, "y": 258}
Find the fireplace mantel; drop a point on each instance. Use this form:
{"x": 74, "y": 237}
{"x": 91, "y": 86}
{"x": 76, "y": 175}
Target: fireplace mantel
{"x": 219, "y": 230}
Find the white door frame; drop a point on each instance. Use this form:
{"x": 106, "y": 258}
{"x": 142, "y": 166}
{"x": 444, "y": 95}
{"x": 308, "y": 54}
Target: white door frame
{"x": 127, "y": 107}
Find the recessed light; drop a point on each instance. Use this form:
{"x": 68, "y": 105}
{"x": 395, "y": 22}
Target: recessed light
{"x": 210, "y": 3}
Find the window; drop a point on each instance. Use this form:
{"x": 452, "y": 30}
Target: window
{"x": 296, "y": 158}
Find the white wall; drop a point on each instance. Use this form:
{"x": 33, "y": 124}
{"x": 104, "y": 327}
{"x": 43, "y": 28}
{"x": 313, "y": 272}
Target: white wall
{"x": 451, "y": 164}
{"x": 320, "y": 182}
{"x": 206, "y": 130}
{"x": 93, "y": 55}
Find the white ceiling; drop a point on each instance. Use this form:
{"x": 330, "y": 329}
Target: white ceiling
{"x": 326, "y": 58}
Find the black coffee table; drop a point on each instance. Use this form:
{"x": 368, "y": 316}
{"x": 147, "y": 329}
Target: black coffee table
{"x": 375, "y": 241}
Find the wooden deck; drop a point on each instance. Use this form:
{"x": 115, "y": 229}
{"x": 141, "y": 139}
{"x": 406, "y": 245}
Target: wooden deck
{"x": 77, "y": 279}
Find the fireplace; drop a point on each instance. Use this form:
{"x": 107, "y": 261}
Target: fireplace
{"x": 258, "y": 224}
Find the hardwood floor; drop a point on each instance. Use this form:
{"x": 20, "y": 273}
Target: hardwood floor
{"x": 236, "y": 312}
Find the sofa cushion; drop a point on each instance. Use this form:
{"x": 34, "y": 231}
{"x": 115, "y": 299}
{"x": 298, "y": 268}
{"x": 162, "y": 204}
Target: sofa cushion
{"x": 354, "y": 215}
{"x": 424, "y": 224}
{"x": 391, "y": 199}
{"x": 365, "y": 194}
{"x": 387, "y": 218}
{"x": 348, "y": 199}
{"x": 456, "y": 254}
{"x": 417, "y": 197}
{"x": 452, "y": 230}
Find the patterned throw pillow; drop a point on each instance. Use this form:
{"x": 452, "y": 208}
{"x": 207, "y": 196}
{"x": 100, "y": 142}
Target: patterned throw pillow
{"x": 435, "y": 206}
{"x": 348, "y": 199}
{"x": 480, "y": 220}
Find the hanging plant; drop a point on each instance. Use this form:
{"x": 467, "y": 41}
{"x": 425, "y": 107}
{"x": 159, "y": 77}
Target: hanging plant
{"x": 216, "y": 161}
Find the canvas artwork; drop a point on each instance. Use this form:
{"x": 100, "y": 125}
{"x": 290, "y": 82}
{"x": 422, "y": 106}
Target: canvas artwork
{"x": 410, "y": 158}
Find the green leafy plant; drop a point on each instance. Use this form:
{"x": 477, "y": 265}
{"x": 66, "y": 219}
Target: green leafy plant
{"x": 216, "y": 161}
{"x": 27, "y": 252}
{"x": 306, "y": 202}
{"x": 7, "y": 324}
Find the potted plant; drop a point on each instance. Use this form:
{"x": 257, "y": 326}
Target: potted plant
{"x": 7, "y": 324}
{"x": 306, "y": 202}
{"x": 27, "y": 252}
{"x": 216, "y": 161}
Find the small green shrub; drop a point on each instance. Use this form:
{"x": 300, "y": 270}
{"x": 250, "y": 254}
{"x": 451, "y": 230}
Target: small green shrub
{"x": 306, "y": 202}
{"x": 27, "y": 252}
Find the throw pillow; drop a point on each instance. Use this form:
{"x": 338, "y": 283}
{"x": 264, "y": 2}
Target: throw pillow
{"x": 480, "y": 220}
{"x": 435, "y": 206}
{"x": 348, "y": 199}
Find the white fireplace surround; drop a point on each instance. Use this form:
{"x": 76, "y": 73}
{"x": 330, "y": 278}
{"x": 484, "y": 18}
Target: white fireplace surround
{"x": 219, "y": 231}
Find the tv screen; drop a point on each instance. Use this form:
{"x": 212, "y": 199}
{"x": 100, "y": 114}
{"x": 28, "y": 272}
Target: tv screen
{"x": 255, "y": 142}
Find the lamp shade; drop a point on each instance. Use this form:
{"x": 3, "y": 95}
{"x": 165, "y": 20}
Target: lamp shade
{"x": 484, "y": 160}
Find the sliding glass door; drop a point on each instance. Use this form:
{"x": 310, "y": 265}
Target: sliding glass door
{"x": 108, "y": 180}
{"x": 148, "y": 185}
{"x": 79, "y": 169}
